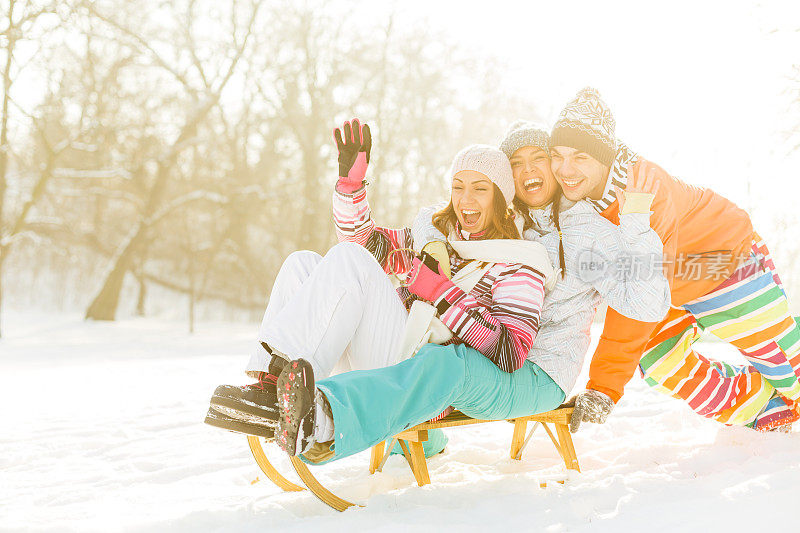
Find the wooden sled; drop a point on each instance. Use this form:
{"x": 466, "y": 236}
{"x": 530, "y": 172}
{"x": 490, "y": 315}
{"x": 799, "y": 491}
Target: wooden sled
{"x": 411, "y": 443}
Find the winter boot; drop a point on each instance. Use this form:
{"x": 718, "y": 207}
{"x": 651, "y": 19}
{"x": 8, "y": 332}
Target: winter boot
{"x": 255, "y": 403}
{"x": 786, "y": 428}
{"x": 777, "y": 415}
{"x": 223, "y": 421}
{"x": 297, "y": 407}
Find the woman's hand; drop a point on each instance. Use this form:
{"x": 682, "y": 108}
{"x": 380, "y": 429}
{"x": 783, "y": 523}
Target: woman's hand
{"x": 426, "y": 278}
{"x": 640, "y": 191}
{"x": 354, "y": 151}
{"x": 438, "y": 250}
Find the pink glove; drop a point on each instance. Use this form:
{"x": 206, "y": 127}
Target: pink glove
{"x": 426, "y": 279}
{"x": 354, "y": 152}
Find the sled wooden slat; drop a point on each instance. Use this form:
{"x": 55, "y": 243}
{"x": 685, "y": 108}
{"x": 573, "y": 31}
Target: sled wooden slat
{"x": 375, "y": 457}
{"x": 517, "y": 439}
{"x": 267, "y": 468}
{"x": 406, "y": 453}
{"x": 569, "y": 455}
{"x": 419, "y": 466}
{"x": 412, "y": 435}
{"x": 457, "y": 418}
{"x": 555, "y": 442}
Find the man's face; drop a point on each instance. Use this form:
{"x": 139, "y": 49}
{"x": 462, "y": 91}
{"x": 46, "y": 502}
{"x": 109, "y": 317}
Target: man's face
{"x": 580, "y": 175}
{"x": 533, "y": 178}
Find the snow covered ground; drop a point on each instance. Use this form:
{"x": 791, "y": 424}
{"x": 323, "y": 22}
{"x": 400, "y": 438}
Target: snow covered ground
{"x": 101, "y": 430}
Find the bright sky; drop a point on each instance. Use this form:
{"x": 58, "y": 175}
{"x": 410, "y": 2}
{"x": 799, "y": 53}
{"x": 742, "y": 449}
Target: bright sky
{"x": 698, "y": 87}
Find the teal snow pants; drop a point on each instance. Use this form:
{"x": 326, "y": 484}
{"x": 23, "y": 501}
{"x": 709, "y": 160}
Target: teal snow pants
{"x": 370, "y": 406}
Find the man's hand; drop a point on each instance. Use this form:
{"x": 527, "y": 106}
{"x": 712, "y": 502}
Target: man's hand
{"x": 590, "y": 406}
{"x": 354, "y": 151}
{"x": 640, "y": 191}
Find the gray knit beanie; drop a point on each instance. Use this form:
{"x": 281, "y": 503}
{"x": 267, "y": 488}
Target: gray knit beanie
{"x": 490, "y": 162}
{"x": 524, "y": 133}
{"x": 587, "y": 124}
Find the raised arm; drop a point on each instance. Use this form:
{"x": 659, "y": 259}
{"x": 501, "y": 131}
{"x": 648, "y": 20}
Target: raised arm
{"x": 351, "y": 211}
{"x": 626, "y": 261}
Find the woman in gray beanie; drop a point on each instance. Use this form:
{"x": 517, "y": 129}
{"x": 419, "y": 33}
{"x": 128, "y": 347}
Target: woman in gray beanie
{"x": 577, "y": 238}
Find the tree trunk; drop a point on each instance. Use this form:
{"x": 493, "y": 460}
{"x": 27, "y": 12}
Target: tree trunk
{"x": 104, "y": 305}
{"x": 142, "y": 296}
{"x": 192, "y": 301}
{"x": 1, "y": 293}
{"x": 4, "y": 141}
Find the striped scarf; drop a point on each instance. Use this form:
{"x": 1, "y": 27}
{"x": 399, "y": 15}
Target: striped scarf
{"x": 618, "y": 175}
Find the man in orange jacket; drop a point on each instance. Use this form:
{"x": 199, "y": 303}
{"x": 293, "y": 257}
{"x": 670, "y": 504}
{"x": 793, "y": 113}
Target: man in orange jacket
{"x": 722, "y": 281}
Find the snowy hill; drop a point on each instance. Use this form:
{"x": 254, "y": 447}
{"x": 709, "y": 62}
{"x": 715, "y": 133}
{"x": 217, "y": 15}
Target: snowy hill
{"x": 101, "y": 430}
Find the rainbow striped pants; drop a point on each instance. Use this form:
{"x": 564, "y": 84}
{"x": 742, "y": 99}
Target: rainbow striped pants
{"x": 750, "y": 311}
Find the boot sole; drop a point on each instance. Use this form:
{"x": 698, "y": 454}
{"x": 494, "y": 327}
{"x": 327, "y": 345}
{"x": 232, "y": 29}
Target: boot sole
{"x": 240, "y": 394}
{"x": 237, "y": 411}
{"x": 245, "y": 410}
{"x": 296, "y": 390}
{"x": 220, "y": 420}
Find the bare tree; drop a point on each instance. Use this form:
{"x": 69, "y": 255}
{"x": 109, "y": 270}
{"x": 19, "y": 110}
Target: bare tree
{"x": 21, "y": 22}
{"x": 104, "y": 305}
{"x": 198, "y": 160}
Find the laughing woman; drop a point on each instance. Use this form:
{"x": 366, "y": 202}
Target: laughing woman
{"x": 344, "y": 305}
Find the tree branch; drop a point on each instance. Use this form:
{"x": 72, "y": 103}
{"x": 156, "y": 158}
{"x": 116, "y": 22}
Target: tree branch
{"x": 142, "y": 44}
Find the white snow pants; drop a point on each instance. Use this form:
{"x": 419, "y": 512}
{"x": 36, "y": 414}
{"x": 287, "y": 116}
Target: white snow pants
{"x": 341, "y": 307}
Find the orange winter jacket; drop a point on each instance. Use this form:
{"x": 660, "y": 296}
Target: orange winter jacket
{"x": 705, "y": 236}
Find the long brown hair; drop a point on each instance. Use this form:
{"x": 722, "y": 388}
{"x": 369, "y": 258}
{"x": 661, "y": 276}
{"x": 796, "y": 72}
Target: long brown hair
{"x": 524, "y": 210}
{"x": 501, "y": 220}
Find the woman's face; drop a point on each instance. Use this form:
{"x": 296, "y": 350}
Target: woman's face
{"x": 472, "y": 197}
{"x": 533, "y": 177}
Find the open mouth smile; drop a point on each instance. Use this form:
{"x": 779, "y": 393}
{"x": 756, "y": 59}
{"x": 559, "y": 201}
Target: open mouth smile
{"x": 533, "y": 184}
{"x": 470, "y": 216}
{"x": 571, "y": 183}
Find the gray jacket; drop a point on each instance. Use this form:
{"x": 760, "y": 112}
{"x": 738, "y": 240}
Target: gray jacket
{"x": 618, "y": 264}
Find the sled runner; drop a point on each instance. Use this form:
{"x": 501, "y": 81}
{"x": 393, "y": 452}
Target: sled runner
{"x": 411, "y": 443}
{"x": 267, "y": 468}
